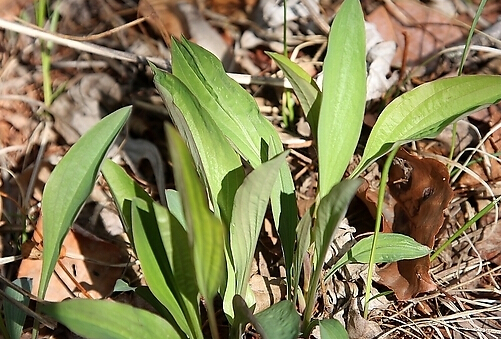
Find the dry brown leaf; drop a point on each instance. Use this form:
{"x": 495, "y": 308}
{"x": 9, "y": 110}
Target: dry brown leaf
{"x": 422, "y": 191}
{"x": 428, "y": 30}
{"x": 94, "y": 273}
{"x": 165, "y": 18}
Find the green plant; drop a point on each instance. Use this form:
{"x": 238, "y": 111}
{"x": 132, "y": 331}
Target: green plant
{"x": 202, "y": 243}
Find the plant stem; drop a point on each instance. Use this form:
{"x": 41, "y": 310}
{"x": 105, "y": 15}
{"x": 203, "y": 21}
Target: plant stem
{"x": 467, "y": 225}
{"x": 211, "y": 314}
{"x": 380, "y": 201}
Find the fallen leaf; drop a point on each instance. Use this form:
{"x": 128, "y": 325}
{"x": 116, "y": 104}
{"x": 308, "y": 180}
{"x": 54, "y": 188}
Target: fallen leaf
{"x": 91, "y": 261}
{"x": 422, "y": 191}
{"x": 165, "y": 18}
{"x": 428, "y": 30}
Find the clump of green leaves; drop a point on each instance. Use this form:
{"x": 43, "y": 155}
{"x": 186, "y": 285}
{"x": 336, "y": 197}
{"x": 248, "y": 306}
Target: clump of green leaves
{"x": 202, "y": 243}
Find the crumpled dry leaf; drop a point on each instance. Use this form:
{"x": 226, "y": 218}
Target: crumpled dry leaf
{"x": 422, "y": 191}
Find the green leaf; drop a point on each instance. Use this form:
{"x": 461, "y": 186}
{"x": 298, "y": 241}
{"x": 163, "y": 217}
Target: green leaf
{"x": 331, "y": 211}
{"x": 175, "y": 206}
{"x": 15, "y": 317}
{"x": 426, "y": 110}
{"x": 332, "y": 328}
{"x": 206, "y": 233}
{"x": 122, "y": 286}
{"x": 123, "y": 189}
{"x": 343, "y": 98}
{"x": 150, "y": 223}
{"x": 222, "y": 175}
{"x": 251, "y": 202}
{"x": 305, "y": 87}
{"x": 279, "y": 321}
{"x": 237, "y": 115}
{"x": 390, "y": 247}
{"x": 101, "y": 319}
{"x": 71, "y": 183}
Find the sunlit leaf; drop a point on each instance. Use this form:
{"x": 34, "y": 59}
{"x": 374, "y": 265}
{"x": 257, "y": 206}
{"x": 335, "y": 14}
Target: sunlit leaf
{"x": 390, "y": 247}
{"x": 102, "y": 319}
{"x": 70, "y": 184}
{"x": 343, "y": 98}
{"x": 305, "y": 88}
{"x": 426, "y": 110}
{"x": 205, "y": 232}
{"x": 222, "y": 175}
{"x": 251, "y": 202}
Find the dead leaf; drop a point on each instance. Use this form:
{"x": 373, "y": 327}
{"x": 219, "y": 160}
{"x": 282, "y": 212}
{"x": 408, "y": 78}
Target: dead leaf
{"x": 422, "y": 191}
{"x": 428, "y": 30}
{"x": 165, "y": 18}
{"x": 87, "y": 258}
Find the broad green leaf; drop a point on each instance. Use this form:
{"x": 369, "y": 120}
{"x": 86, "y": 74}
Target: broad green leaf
{"x": 390, "y": 247}
{"x": 123, "y": 190}
{"x": 157, "y": 268}
{"x": 15, "y": 317}
{"x": 70, "y": 184}
{"x": 102, "y": 319}
{"x": 222, "y": 175}
{"x": 343, "y": 98}
{"x": 305, "y": 87}
{"x": 426, "y": 110}
{"x": 331, "y": 211}
{"x": 237, "y": 115}
{"x": 251, "y": 202}
{"x": 206, "y": 233}
{"x": 332, "y": 328}
{"x": 279, "y": 321}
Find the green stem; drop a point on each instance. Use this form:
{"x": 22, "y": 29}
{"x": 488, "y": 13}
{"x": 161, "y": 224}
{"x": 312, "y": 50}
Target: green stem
{"x": 460, "y": 231}
{"x": 211, "y": 314}
{"x": 380, "y": 201}
{"x": 310, "y": 295}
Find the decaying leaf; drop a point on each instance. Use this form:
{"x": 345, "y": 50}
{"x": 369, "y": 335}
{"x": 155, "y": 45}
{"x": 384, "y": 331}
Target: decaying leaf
{"x": 422, "y": 191}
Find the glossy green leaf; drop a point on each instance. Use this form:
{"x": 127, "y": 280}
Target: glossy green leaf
{"x": 123, "y": 190}
{"x": 332, "y": 328}
{"x": 15, "y": 317}
{"x": 70, "y": 184}
{"x": 390, "y": 247}
{"x": 279, "y": 321}
{"x": 102, "y": 319}
{"x": 426, "y": 110}
{"x": 305, "y": 87}
{"x": 222, "y": 175}
{"x": 343, "y": 99}
{"x": 157, "y": 268}
{"x": 251, "y": 202}
{"x": 237, "y": 115}
{"x": 206, "y": 233}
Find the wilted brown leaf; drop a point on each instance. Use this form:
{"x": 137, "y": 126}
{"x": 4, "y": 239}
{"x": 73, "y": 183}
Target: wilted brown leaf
{"x": 422, "y": 191}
